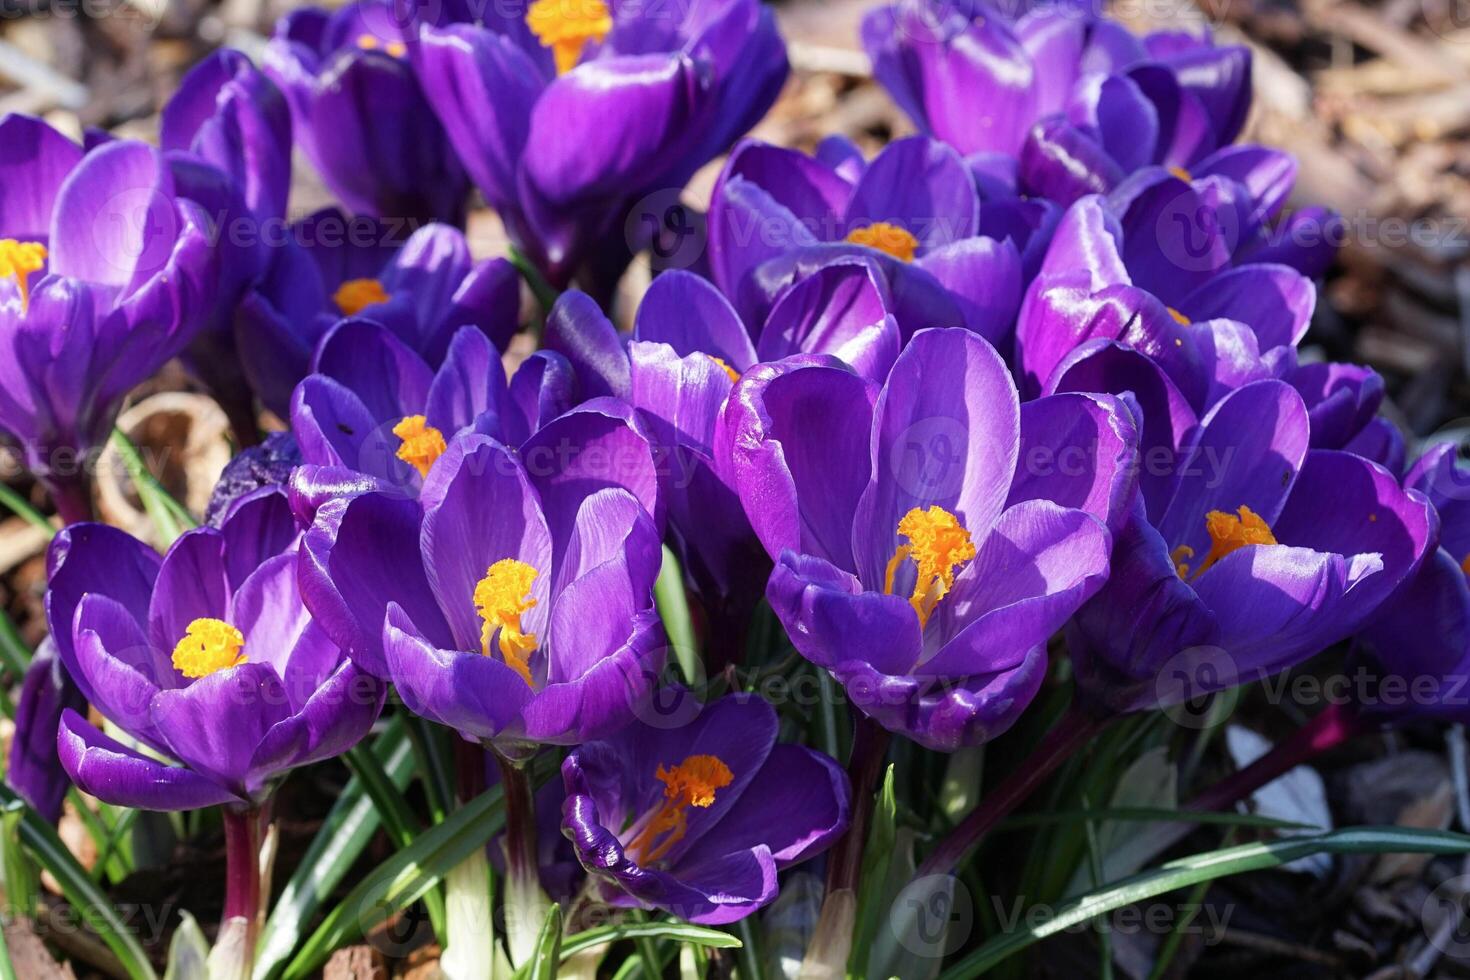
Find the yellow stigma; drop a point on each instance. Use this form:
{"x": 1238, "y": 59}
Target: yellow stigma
{"x": 938, "y": 544}
{"x": 1228, "y": 532}
{"x": 208, "y": 645}
{"x": 1182, "y": 174}
{"x": 500, "y": 599}
{"x": 693, "y": 782}
{"x": 18, "y": 260}
{"x": 887, "y": 238}
{"x": 356, "y": 295}
{"x": 1180, "y": 318}
{"x": 565, "y": 26}
{"x": 422, "y": 443}
{"x": 734, "y": 374}
{"x": 370, "y": 42}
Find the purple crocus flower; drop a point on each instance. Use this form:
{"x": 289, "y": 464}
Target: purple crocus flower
{"x": 330, "y": 266}
{"x": 513, "y": 601}
{"x": 698, "y": 820}
{"x": 982, "y": 81}
{"x": 375, "y": 415}
{"x": 687, "y": 350}
{"x": 568, "y": 112}
{"x": 205, "y": 656}
{"x": 33, "y": 770}
{"x": 360, "y": 114}
{"x": 915, "y": 211}
{"x": 1137, "y": 278}
{"x": 931, "y": 535}
{"x": 104, "y": 276}
{"x": 1421, "y": 636}
{"x": 1246, "y": 552}
{"x": 226, "y": 133}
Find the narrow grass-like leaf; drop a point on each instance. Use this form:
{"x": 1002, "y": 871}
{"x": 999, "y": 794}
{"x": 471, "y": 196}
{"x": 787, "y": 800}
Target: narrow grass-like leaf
{"x": 343, "y": 837}
{"x": 7, "y": 968}
{"x": 876, "y": 857}
{"x": 544, "y": 292}
{"x": 1145, "y": 814}
{"x": 397, "y": 816}
{"x": 673, "y": 608}
{"x": 170, "y": 518}
{"x": 22, "y": 508}
{"x": 1205, "y": 867}
{"x": 14, "y": 653}
{"x": 679, "y": 932}
{"x": 80, "y": 890}
{"x": 403, "y": 879}
{"x": 547, "y": 962}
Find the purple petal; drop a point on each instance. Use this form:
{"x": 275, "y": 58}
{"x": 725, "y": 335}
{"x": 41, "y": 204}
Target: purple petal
{"x": 116, "y": 774}
{"x": 946, "y": 433}
{"x": 797, "y": 442}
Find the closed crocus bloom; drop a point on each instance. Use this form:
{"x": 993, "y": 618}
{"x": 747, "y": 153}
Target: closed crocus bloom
{"x": 374, "y": 412}
{"x": 360, "y": 114}
{"x": 104, "y": 276}
{"x": 205, "y": 656}
{"x": 512, "y": 602}
{"x": 980, "y": 80}
{"x": 33, "y": 770}
{"x": 328, "y": 267}
{"x": 1421, "y": 636}
{"x": 930, "y": 536}
{"x": 1247, "y": 550}
{"x": 567, "y": 112}
{"x": 698, "y": 820}
{"x": 914, "y": 211}
{"x": 227, "y": 135}
{"x": 1161, "y": 279}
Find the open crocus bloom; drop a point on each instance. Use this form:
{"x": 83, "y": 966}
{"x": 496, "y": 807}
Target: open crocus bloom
{"x": 373, "y": 416}
{"x": 206, "y": 656}
{"x": 1246, "y": 552}
{"x": 423, "y": 289}
{"x": 698, "y": 819}
{"x": 360, "y": 115}
{"x": 932, "y": 536}
{"x": 1170, "y": 291}
{"x": 776, "y": 215}
{"x": 979, "y": 80}
{"x": 567, "y": 112}
{"x": 104, "y": 276}
{"x": 512, "y": 601}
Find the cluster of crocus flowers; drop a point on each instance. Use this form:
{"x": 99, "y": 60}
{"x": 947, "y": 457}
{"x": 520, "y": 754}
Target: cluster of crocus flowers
{"x": 1024, "y": 387}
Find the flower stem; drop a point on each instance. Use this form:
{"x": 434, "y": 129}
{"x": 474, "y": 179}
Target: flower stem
{"x": 1329, "y": 729}
{"x": 1074, "y": 730}
{"x": 72, "y": 496}
{"x": 831, "y": 943}
{"x": 525, "y": 904}
{"x": 469, "y": 930}
{"x": 234, "y": 952}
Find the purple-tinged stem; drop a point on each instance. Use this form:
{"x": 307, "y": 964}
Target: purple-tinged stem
{"x": 869, "y": 749}
{"x": 242, "y": 870}
{"x": 525, "y": 905}
{"x": 1075, "y": 729}
{"x": 831, "y": 943}
{"x": 72, "y": 496}
{"x": 1329, "y": 729}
